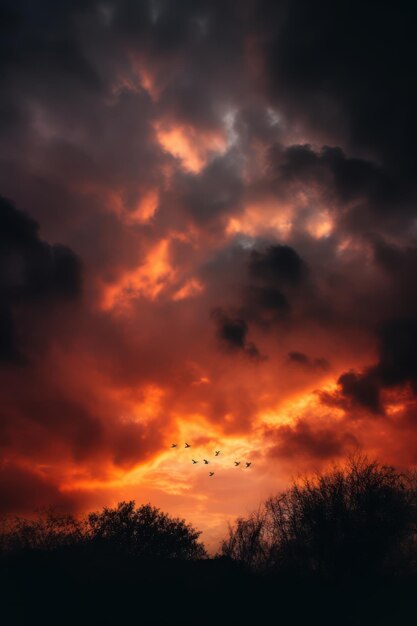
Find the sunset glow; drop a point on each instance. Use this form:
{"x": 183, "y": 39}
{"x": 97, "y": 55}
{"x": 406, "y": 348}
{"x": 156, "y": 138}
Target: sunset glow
{"x": 207, "y": 237}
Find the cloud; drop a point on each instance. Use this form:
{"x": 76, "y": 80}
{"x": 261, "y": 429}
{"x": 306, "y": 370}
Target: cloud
{"x": 315, "y": 73}
{"x": 232, "y": 333}
{"x": 254, "y": 159}
{"x": 32, "y": 272}
{"x": 305, "y": 440}
{"x": 33, "y": 269}
{"x": 302, "y": 360}
{"x": 25, "y": 491}
{"x": 397, "y": 359}
{"x": 266, "y": 303}
{"x": 278, "y": 264}
{"x": 357, "y": 191}
{"x": 275, "y": 277}
{"x": 396, "y": 366}
{"x": 361, "y": 389}
{"x": 9, "y": 352}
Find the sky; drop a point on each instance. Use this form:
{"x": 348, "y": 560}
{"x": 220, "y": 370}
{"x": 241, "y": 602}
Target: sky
{"x": 208, "y": 235}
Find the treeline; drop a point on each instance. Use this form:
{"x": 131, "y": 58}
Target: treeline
{"x": 336, "y": 548}
{"x": 356, "y": 521}
{"x": 138, "y": 533}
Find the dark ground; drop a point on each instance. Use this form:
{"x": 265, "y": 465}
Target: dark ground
{"x": 68, "y": 588}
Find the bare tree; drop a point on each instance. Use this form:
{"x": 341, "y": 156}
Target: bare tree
{"x": 352, "y": 520}
{"x": 246, "y": 543}
{"x": 48, "y": 531}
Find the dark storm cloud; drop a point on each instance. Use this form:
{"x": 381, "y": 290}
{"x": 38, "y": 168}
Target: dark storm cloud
{"x": 344, "y": 74}
{"x": 9, "y": 352}
{"x": 274, "y": 290}
{"x": 270, "y": 278}
{"x": 298, "y": 357}
{"x": 202, "y": 46}
{"x": 30, "y": 268}
{"x": 72, "y": 86}
{"x": 349, "y": 178}
{"x": 276, "y": 275}
{"x": 86, "y": 86}
{"x": 232, "y": 333}
{"x": 362, "y": 389}
{"x": 253, "y": 122}
{"x": 266, "y": 302}
{"x": 31, "y": 272}
{"x": 40, "y": 54}
{"x": 278, "y": 264}
{"x": 399, "y": 263}
{"x": 303, "y": 360}
{"x": 361, "y": 194}
{"x": 25, "y": 491}
{"x": 305, "y": 440}
{"x": 398, "y": 352}
{"x": 346, "y": 68}
{"x": 50, "y": 421}
{"x": 384, "y": 304}
{"x": 68, "y": 113}
{"x": 396, "y": 366}
{"x": 216, "y": 191}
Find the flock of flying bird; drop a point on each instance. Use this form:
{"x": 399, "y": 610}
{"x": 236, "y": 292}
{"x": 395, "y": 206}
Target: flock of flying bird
{"x": 206, "y": 462}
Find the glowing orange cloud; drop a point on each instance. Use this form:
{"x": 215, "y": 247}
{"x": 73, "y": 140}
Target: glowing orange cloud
{"x": 320, "y": 225}
{"x": 145, "y": 208}
{"x": 252, "y": 220}
{"x": 193, "y": 148}
{"x": 145, "y": 75}
{"x": 190, "y": 288}
{"x": 148, "y": 280}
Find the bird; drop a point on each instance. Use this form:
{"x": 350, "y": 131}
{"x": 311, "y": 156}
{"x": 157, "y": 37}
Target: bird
{"x": 217, "y": 452}
{"x": 205, "y": 461}
{"x": 248, "y": 464}
{"x": 211, "y": 473}
{"x": 174, "y": 445}
{"x": 194, "y": 462}
{"x": 237, "y": 463}
{"x": 187, "y": 445}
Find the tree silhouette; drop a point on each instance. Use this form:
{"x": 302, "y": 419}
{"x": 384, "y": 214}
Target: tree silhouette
{"x": 246, "y": 542}
{"x": 353, "y": 521}
{"x": 144, "y": 532}
{"x": 335, "y": 548}
{"x": 51, "y": 530}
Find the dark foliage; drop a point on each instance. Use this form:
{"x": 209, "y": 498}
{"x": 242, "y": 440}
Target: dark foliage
{"x": 139, "y": 533}
{"x": 144, "y": 532}
{"x": 358, "y": 521}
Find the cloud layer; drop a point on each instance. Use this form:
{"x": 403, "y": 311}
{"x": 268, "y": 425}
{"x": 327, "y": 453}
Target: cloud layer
{"x": 207, "y": 233}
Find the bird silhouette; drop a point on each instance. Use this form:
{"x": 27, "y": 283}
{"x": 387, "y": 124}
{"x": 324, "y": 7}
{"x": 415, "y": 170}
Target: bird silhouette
{"x": 217, "y": 452}
{"x": 187, "y": 445}
{"x": 174, "y": 445}
{"x": 194, "y": 462}
{"x": 237, "y": 463}
{"x": 205, "y": 461}
{"x": 248, "y": 464}
{"x": 211, "y": 473}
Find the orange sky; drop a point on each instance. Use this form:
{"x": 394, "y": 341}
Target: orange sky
{"x": 200, "y": 244}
